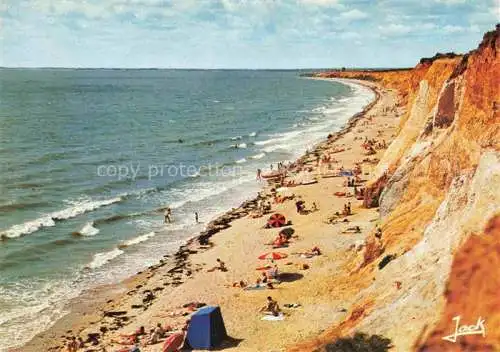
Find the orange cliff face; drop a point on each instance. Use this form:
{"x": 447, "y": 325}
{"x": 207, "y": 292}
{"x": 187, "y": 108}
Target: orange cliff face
{"x": 437, "y": 188}
{"x": 472, "y": 294}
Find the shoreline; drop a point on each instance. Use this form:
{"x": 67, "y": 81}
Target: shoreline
{"x": 88, "y": 309}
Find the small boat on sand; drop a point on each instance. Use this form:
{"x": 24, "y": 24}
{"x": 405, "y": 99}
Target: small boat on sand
{"x": 273, "y": 174}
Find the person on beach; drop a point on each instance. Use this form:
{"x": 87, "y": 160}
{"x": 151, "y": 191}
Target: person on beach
{"x": 196, "y": 219}
{"x": 259, "y": 175}
{"x": 280, "y": 241}
{"x": 131, "y": 339}
{"x": 264, "y": 278}
{"x": 156, "y": 335}
{"x": 267, "y": 207}
{"x": 300, "y": 206}
{"x": 241, "y": 284}
{"x": 81, "y": 344}
{"x": 139, "y": 332}
{"x": 273, "y": 273}
{"x": 72, "y": 345}
{"x": 316, "y": 251}
{"x": 175, "y": 341}
{"x": 160, "y": 330}
{"x": 222, "y": 265}
{"x": 271, "y": 307}
{"x": 168, "y": 215}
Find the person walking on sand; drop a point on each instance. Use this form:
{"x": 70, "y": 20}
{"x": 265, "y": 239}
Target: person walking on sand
{"x": 168, "y": 215}
{"x": 259, "y": 175}
{"x": 196, "y": 219}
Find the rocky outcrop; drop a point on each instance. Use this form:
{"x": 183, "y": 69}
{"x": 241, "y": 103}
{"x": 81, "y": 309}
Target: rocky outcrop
{"x": 437, "y": 188}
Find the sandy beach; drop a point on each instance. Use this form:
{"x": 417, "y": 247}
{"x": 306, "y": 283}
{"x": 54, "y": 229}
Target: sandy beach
{"x": 322, "y": 286}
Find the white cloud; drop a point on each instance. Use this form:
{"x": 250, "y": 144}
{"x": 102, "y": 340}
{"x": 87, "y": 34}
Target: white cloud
{"x": 451, "y": 2}
{"x": 350, "y": 35}
{"x": 320, "y": 2}
{"x": 354, "y": 15}
{"x": 395, "y": 29}
{"x": 427, "y": 26}
{"x": 453, "y": 29}
{"x": 474, "y": 28}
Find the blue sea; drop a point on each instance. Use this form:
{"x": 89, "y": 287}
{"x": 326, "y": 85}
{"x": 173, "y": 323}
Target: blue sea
{"x": 89, "y": 159}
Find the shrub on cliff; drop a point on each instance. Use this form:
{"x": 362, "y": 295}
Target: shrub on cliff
{"x": 360, "y": 342}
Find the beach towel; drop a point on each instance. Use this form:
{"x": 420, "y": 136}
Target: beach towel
{"x": 280, "y": 246}
{"x": 308, "y": 182}
{"x": 273, "y": 318}
{"x": 330, "y": 175}
{"x": 255, "y": 287}
{"x": 346, "y": 173}
{"x": 131, "y": 349}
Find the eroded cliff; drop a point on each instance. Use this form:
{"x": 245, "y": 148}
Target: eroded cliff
{"x": 438, "y": 191}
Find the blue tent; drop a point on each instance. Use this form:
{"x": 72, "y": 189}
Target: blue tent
{"x": 206, "y": 329}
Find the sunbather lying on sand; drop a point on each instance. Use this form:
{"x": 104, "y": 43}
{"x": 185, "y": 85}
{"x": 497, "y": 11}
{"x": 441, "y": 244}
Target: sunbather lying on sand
{"x": 371, "y": 161}
{"x": 241, "y": 284}
{"x": 130, "y": 339}
{"x": 355, "y": 229}
{"x": 259, "y": 286}
{"x": 134, "y": 348}
{"x": 127, "y": 340}
{"x": 256, "y": 214}
{"x": 280, "y": 241}
{"x": 314, "y": 252}
{"x": 370, "y": 151}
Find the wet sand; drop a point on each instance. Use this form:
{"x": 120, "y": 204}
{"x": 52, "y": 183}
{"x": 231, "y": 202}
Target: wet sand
{"x": 323, "y": 290}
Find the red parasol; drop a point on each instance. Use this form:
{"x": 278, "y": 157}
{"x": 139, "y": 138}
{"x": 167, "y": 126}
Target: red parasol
{"x": 276, "y": 220}
{"x": 273, "y": 255}
{"x": 173, "y": 342}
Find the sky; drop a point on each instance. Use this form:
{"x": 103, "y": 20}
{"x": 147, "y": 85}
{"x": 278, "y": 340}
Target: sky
{"x": 250, "y": 34}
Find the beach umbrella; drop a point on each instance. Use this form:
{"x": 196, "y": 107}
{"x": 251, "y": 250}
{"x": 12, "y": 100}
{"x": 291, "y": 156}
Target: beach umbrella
{"x": 173, "y": 342}
{"x": 276, "y": 220}
{"x": 273, "y": 256}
